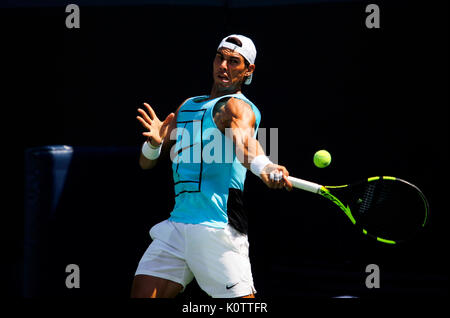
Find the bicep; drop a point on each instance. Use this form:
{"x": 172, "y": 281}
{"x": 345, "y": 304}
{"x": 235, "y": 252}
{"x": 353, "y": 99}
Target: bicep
{"x": 241, "y": 118}
{"x": 242, "y": 123}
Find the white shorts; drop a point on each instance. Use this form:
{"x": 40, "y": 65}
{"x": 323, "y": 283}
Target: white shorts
{"x": 217, "y": 258}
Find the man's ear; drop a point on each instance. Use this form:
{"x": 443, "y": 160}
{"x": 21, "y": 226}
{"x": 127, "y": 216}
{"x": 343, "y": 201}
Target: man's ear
{"x": 250, "y": 70}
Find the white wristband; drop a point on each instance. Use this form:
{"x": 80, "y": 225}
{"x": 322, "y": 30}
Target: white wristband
{"x": 258, "y": 163}
{"x": 151, "y": 152}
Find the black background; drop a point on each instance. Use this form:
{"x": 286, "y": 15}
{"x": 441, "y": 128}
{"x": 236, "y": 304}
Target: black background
{"x": 377, "y": 99}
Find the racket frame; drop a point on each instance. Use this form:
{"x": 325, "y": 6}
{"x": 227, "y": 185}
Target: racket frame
{"x": 325, "y": 192}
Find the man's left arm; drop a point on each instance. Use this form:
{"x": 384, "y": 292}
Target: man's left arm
{"x": 237, "y": 117}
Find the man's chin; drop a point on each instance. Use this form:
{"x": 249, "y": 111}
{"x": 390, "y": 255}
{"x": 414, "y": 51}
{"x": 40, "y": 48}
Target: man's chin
{"x": 222, "y": 84}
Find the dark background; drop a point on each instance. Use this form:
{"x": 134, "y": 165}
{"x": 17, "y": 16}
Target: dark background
{"x": 377, "y": 99}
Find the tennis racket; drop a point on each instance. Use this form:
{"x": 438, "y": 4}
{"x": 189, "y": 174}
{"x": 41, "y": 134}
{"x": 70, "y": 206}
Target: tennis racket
{"x": 388, "y": 209}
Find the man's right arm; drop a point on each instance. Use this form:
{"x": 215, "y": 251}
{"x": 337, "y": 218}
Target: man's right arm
{"x": 158, "y": 135}
{"x": 144, "y": 162}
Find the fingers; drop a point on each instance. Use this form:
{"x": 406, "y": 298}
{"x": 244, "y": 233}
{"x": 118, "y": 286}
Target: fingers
{"x": 284, "y": 170}
{"x": 277, "y": 178}
{"x": 168, "y": 119}
{"x": 287, "y": 183}
{"x": 150, "y": 111}
{"x": 143, "y": 122}
{"x": 156, "y": 130}
{"x": 144, "y": 115}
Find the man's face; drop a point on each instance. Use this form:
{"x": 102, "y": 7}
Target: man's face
{"x": 229, "y": 68}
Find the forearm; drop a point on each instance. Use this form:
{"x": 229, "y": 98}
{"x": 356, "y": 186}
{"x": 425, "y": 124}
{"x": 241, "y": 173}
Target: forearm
{"x": 241, "y": 119}
{"x": 145, "y": 163}
{"x": 247, "y": 147}
{"x": 149, "y": 155}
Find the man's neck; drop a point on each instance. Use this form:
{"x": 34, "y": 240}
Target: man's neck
{"x": 217, "y": 92}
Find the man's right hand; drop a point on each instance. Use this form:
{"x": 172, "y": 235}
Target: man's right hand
{"x": 156, "y": 130}
{"x": 275, "y": 183}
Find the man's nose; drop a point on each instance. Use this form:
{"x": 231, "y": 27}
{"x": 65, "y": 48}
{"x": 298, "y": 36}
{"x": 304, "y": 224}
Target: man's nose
{"x": 223, "y": 64}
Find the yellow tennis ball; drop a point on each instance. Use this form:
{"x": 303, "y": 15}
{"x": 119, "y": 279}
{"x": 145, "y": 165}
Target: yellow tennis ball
{"x": 322, "y": 159}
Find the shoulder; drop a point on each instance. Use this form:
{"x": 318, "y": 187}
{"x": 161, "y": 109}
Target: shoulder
{"x": 238, "y": 107}
{"x": 186, "y": 100}
{"x": 239, "y": 112}
{"x": 184, "y": 103}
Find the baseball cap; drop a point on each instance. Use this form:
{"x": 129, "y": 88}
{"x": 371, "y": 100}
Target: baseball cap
{"x": 247, "y": 49}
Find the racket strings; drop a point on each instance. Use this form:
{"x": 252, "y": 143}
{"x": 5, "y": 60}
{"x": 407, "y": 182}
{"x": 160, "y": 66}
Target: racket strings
{"x": 366, "y": 201}
{"x": 389, "y": 209}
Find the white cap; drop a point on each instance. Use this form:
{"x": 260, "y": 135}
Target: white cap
{"x": 247, "y": 50}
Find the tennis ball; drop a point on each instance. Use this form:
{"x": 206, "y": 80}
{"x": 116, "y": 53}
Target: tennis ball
{"x": 322, "y": 159}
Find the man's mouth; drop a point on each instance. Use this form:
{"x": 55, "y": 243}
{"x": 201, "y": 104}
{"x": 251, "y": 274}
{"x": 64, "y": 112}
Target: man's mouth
{"x": 223, "y": 78}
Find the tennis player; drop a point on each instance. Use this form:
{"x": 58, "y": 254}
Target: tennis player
{"x": 206, "y": 234}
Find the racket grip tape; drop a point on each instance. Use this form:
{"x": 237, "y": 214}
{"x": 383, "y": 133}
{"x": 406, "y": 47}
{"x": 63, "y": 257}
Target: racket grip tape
{"x": 305, "y": 185}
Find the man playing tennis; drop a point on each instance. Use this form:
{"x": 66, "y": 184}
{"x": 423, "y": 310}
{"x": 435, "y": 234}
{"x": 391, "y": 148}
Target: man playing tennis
{"x": 206, "y": 234}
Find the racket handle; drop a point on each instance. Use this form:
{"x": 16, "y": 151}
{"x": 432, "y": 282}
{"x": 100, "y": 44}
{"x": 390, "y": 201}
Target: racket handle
{"x": 304, "y": 185}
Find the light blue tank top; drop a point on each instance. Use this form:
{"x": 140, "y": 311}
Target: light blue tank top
{"x": 204, "y": 164}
